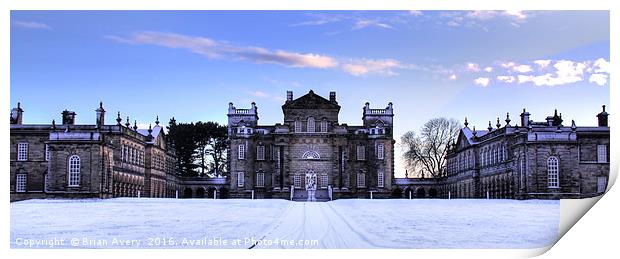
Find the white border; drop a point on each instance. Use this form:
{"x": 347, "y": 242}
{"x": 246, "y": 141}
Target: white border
{"x": 592, "y": 237}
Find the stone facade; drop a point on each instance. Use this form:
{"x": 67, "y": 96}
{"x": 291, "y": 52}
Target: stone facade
{"x": 542, "y": 160}
{"x": 79, "y": 161}
{"x": 311, "y": 145}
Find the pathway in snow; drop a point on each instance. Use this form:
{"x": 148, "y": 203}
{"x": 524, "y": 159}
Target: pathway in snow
{"x": 313, "y": 225}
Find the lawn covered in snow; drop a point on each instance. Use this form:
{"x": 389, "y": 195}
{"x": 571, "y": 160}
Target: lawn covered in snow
{"x": 207, "y": 223}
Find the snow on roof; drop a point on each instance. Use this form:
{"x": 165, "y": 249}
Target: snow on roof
{"x": 156, "y": 130}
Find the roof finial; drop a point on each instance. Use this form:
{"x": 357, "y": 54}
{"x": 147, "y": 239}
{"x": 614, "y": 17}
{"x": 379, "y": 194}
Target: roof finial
{"x": 603, "y": 107}
{"x": 53, "y": 124}
{"x": 507, "y": 119}
{"x": 573, "y": 126}
{"x": 118, "y": 118}
{"x": 490, "y": 128}
{"x": 101, "y": 104}
{"x": 150, "y": 130}
{"x": 498, "y": 125}
{"x": 466, "y": 123}
{"x": 474, "y": 132}
{"x": 157, "y": 120}
{"x": 127, "y": 124}
{"x": 135, "y": 125}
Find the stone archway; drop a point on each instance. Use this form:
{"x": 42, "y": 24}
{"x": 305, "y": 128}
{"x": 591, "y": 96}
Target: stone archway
{"x": 187, "y": 193}
{"x": 211, "y": 192}
{"x": 420, "y": 193}
{"x": 200, "y": 192}
{"x": 409, "y": 193}
{"x": 223, "y": 194}
{"x": 432, "y": 193}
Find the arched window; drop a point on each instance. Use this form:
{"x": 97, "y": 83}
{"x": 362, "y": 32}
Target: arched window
{"x": 553, "y": 172}
{"x": 324, "y": 126}
{"x": 74, "y": 170}
{"x": 310, "y": 125}
{"x": 310, "y": 154}
{"x": 297, "y": 126}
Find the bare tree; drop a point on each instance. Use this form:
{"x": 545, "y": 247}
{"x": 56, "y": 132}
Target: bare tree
{"x": 426, "y": 152}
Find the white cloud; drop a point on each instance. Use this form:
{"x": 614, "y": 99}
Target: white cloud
{"x": 361, "y": 24}
{"x": 215, "y": 49}
{"x": 542, "y": 63}
{"x": 452, "y": 77}
{"x": 473, "y": 67}
{"x": 599, "y": 79}
{"x": 508, "y": 64}
{"x": 516, "y": 14}
{"x": 488, "y": 69}
{"x": 482, "y": 81}
{"x": 370, "y": 66}
{"x": 415, "y": 12}
{"x": 506, "y": 79}
{"x": 32, "y": 25}
{"x": 601, "y": 66}
{"x": 522, "y": 68}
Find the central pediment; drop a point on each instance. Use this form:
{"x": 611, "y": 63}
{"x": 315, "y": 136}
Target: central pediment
{"x": 311, "y": 101}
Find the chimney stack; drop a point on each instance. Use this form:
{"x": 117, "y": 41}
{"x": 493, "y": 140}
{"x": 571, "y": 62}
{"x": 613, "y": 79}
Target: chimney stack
{"x": 603, "y": 120}
{"x": 17, "y": 115}
{"x": 289, "y": 96}
{"x": 525, "y": 118}
{"x": 332, "y": 97}
{"x": 68, "y": 117}
{"x": 100, "y": 115}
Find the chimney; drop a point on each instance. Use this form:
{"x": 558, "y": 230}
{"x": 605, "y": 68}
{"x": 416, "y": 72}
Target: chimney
{"x": 68, "y": 118}
{"x": 100, "y": 115}
{"x": 289, "y": 96}
{"x": 17, "y": 115}
{"x": 525, "y": 118}
{"x": 603, "y": 118}
{"x": 332, "y": 97}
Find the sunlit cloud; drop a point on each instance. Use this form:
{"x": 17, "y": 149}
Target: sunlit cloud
{"x": 32, "y": 25}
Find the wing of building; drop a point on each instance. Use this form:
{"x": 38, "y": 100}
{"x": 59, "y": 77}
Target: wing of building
{"x": 528, "y": 160}
{"x": 81, "y": 161}
{"x": 311, "y": 150}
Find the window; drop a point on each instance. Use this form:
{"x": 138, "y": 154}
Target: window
{"x": 20, "y": 183}
{"x": 47, "y": 152}
{"x": 260, "y": 153}
{"x": 324, "y": 126}
{"x": 324, "y": 181}
{"x": 553, "y": 172}
{"x": 297, "y": 126}
{"x": 380, "y": 180}
{"x": 74, "y": 170}
{"x": 311, "y": 154}
{"x": 260, "y": 179}
{"x": 601, "y": 184}
{"x": 241, "y": 152}
{"x": 361, "y": 180}
{"x": 297, "y": 181}
{"x": 380, "y": 149}
{"x": 310, "y": 125}
{"x": 361, "y": 153}
{"x": 22, "y": 151}
{"x": 601, "y": 152}
{"x": 240, "y": 179}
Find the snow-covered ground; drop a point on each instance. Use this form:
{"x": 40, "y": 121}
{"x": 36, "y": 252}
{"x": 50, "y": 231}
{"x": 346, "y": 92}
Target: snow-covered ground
{"x": 203, "y": 223}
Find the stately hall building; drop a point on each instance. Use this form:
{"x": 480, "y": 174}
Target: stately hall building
{"x": 311, "y": 146}
{"x": 310, "y": 155}
{"x": 85, "y": 161}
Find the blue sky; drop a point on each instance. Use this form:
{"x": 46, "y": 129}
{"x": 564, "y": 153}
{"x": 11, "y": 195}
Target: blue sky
{"x": 190, "y": 64}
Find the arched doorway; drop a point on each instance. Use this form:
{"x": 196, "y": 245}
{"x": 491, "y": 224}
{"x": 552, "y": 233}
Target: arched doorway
{"x": 223, "y": 193}
{"x": 420, "y": 193}
{"x": 409, "y": 193}
{"x": 211, "y": 192}
{"x": 432, "y": 193}
{"x": 200, "y": 192}
{"x": 187, "y": 193}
